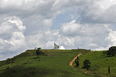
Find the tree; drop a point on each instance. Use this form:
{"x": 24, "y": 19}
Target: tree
{"x": 111, "y": 51}
{"x": 38, "y": 51}
{"x": 77, "y": 61}
{"x": 86, "y": 64}
{"x": 8, "y": 61}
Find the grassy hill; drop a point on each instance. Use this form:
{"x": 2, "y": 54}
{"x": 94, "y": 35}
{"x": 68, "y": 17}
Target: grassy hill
{"x": 54, "y": 63}
{"x": 99, "y": 63}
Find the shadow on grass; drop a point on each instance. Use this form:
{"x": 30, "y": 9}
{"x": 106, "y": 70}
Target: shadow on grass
{"x": 35, "y": 57}
{"x": 21, "y": 71}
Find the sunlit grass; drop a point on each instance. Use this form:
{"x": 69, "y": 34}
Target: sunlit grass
{"x": 54, "y": 63}
{"x": 99, "y": 62}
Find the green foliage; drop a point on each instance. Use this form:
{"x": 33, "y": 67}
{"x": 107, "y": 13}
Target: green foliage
{"x": 77, "y": 61}
{"x": 86, "y": 64}
{"x": 111, "y": 51}
{"x": 38, "y": 52}
{"x": 8, "y": 61}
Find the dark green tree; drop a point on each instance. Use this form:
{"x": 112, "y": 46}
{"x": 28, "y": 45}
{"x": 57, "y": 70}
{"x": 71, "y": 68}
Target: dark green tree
{"x": 8, "y": 61}
{"x": 77, "y": 61}
{"x": 86, "y": 64}
{"x": 111, "y": 51}
{"x": 38, "y": 51}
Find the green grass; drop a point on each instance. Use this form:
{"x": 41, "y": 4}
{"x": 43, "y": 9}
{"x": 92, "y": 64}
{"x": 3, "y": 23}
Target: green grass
{"x": 99, "y": 63}
{"x": 53, "y": 64}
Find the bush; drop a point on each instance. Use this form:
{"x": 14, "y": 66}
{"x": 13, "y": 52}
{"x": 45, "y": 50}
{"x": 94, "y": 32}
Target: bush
{"x": 86, "y": 64}
{"x": 77, "y": 61}
{"x": 8, "y": 61}
{"x": 38, "y": 52}
{"x": 111, "y": 51}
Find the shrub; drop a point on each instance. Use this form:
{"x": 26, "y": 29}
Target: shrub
{"x": 77, "y": 61}
{"x": 8, "y": 61}
{"x": 38, "y": 52}
{"x": 86, "y": 64}
{"x": 111, "y": 51}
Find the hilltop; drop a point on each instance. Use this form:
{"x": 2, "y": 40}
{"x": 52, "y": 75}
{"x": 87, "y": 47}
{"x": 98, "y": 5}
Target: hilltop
{"x": 53, "y": 63}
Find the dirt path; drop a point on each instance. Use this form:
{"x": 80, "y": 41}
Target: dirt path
{"x": 71, "y": 62}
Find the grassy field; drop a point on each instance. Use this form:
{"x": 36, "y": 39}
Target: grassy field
{"x": 53, "y": 64}
{"x": 99, "y": 63}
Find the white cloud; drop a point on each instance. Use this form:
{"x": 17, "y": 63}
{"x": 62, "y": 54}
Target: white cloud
{"x": 34, "y": 40}
{"x": 12, "y": 37}
{"x": 47, "y": 22}
{"x": 17, "y": 22}
{"x": 46, "y": 39}
{"x": 43, "y": 39}
{"x": 112, "y": 37}
{"x": 26, "y": 24}
{"x": 74, "y": 29}
{"x": 5, "y": 28}
{"x": 17, "y": 41}
{"x": 70, "y": 28}
{"x": 90, "y": 36}
{"x": 50, "y": 44}
{"x": 99, "y": 11}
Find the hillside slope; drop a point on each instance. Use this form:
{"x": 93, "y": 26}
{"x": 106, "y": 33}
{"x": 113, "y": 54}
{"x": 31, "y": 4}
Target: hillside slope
{"x": 54, "y": 63}
{"x": 99, "y": 63}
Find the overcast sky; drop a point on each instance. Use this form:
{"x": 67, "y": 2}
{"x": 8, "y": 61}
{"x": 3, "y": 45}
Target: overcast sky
{"x": 26, "y": 24}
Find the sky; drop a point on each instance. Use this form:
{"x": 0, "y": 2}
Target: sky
{"x": 27, "y": 24}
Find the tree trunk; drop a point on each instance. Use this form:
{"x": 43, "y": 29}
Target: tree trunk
{"x": 109, "y": 69}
